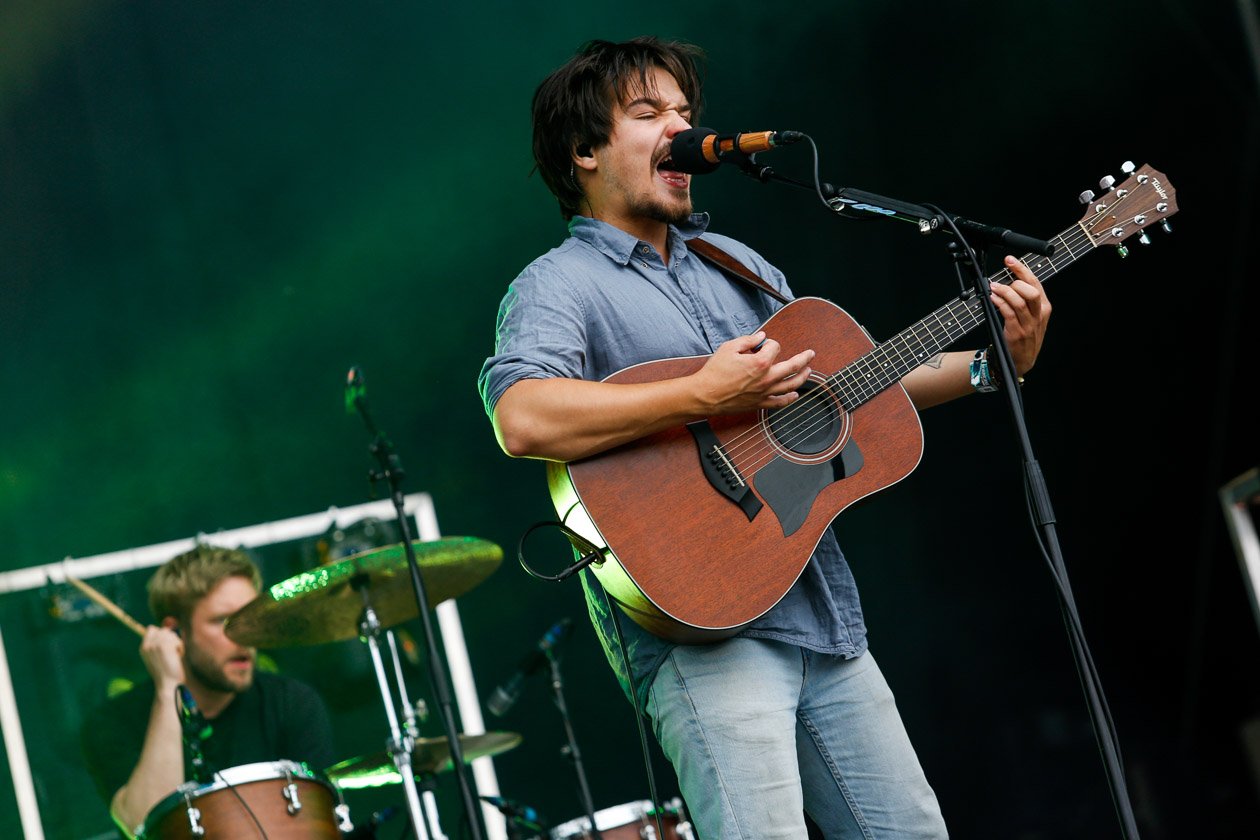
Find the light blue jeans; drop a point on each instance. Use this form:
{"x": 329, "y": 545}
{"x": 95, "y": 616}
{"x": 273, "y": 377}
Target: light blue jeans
{"x": 759, "y": 731}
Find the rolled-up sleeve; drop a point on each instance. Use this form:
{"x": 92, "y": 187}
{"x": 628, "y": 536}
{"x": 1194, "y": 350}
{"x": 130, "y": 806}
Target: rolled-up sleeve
{"x": 540, "y": 333}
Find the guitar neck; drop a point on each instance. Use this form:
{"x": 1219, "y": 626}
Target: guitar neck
{"x": 885, "y": 365}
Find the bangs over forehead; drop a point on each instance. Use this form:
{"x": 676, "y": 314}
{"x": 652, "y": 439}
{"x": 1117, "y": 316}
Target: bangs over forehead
{"x": 634, "y": 80}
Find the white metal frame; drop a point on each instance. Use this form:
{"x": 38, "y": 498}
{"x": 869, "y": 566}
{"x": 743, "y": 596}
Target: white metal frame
{"x": 419, "y": 506}
{"x": 1237, "y": 498}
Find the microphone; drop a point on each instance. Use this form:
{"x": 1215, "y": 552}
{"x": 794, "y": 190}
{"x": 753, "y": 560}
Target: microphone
{"x": 506, "y": 695}
{"x": 522, "y": 814}
{"x": 701, "y": 150}
{"x": 193, "y": 722}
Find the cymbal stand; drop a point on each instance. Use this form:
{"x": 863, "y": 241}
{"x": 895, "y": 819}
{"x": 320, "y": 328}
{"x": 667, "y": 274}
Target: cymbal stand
{"x": 400, "y": 744}
{"x": 413, "y": 733}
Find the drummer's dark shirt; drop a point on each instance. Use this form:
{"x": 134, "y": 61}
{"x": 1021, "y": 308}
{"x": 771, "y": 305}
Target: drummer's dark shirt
{"x": 277, "y": 718}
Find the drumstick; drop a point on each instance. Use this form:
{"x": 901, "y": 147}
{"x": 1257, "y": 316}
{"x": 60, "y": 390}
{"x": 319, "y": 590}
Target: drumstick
{"x": 110, "y": 607}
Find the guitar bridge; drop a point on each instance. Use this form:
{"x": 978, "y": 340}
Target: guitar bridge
{"x": 720, "y": 471}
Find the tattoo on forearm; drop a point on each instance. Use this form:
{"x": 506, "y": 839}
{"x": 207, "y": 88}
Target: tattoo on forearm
{"x": 936, "y": 361}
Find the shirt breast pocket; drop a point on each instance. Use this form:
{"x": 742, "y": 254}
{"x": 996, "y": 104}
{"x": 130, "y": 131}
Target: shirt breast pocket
{"x": 746, "y": 321}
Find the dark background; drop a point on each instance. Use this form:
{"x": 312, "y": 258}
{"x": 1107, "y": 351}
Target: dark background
{"x": 210, "y": 211}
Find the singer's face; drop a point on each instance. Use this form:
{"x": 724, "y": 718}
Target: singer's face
{"x": 210, "y": 657}
{"x": 630, "y": 188}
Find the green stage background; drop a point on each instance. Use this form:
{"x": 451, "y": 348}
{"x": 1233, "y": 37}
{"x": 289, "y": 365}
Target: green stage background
{"x": 210, "y": 210}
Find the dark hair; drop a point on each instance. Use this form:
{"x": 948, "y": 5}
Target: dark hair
{"x": 574, "y": 105}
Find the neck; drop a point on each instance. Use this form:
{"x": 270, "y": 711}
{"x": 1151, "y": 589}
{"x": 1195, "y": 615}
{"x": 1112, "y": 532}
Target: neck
{"x": 210, "y": 701}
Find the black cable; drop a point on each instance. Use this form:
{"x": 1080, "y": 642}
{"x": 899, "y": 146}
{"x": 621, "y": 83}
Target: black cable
{"x": 591, "y": 553}
{"x": 231, "y": 787}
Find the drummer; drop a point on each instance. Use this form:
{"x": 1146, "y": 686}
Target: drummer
{"x": 135, "y": 744}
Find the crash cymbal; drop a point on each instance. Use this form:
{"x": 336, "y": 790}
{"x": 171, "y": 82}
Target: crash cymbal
{"x": 326, "y": 603}
{"x": 431, "y": 755}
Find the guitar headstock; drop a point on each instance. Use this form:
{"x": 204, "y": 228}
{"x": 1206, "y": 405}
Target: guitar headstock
{"x": 1145, "y": 198}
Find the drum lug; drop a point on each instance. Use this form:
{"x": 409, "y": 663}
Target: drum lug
{"x": 648, "y": 832}
{"x": 343, "y": 818}
{"x": 291, "y": 794}
{"x": 195, "y": 827}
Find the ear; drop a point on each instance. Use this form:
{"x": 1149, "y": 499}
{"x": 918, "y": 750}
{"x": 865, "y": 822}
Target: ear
{"x": 171, "y": 623}
{"x": 584, "y": 156}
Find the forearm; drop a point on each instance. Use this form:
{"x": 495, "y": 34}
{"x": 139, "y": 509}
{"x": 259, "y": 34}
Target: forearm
{"x": 160, "y": 769}
{"x": 944, "y": 377}
{"x": 565, "y": 419}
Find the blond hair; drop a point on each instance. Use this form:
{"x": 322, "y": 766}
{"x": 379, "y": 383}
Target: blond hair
{"x": 185, "y": 579}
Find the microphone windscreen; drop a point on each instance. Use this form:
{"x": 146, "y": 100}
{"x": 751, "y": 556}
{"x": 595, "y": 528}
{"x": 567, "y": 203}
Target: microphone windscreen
{"x": 687, "y": 151}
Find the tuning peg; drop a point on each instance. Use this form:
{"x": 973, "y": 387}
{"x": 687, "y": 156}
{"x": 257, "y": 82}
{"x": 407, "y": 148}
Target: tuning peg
{"x": 1122, "y": 250}
{"x": 1106, "y": 182}
{"x": 1165, "y": 225}
{"x": 1127, "y": 167}
{"x": 1143, "y": 238}
{"x": 1086, "y": 197}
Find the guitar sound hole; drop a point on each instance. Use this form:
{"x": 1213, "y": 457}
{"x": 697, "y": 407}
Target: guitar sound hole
{"x": 808, "y": 426}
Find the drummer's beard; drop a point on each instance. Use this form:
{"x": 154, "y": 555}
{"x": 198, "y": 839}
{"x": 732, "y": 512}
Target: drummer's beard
{"x": 217, "y": 676}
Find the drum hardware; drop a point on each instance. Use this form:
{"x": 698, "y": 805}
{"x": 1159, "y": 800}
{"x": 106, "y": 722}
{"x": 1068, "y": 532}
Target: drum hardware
{"x": 391, "y": 472}
{"x": 429, "y": 756}
{"x": 194, "y": 816}
{"x": 359, "y": 596}
{"x": 324, "y": 604}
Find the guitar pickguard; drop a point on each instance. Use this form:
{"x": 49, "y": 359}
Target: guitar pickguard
{"x": 790, "y": 488}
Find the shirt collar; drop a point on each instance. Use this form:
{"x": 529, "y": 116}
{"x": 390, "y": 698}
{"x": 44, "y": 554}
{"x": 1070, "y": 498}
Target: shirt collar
{"x": 619, "y": 246}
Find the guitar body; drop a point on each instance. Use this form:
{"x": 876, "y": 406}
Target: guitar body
{"x": 691, "y": 558}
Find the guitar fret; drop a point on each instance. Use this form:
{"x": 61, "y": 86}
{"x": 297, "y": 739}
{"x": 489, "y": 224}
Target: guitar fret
{"x": 887, "y": 363}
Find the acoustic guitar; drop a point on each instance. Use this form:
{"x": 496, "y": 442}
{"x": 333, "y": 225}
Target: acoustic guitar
{"x": 704, "y": 527}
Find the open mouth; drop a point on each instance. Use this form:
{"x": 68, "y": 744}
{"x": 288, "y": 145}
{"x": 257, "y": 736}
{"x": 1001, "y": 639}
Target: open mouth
{"x": 670, "y": 175}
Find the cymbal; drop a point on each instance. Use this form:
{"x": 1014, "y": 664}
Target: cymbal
{"x": 431, "y": 755}
{"x": 326, "y": 603}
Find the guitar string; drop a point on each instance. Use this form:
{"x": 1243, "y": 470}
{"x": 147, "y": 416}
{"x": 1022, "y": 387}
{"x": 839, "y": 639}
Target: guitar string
{"x": 873, "y": 367}
{"x": 820, "y": 399}
{"x": 865, "y": 389}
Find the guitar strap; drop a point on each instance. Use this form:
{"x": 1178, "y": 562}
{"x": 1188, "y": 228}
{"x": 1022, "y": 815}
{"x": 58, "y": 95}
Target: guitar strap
{"x": 733, "y": 267}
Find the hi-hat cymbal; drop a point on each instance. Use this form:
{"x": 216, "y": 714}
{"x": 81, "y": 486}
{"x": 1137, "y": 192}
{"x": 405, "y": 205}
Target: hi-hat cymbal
{"x": 326, "y": 603}
{"x": 431, "y": 755}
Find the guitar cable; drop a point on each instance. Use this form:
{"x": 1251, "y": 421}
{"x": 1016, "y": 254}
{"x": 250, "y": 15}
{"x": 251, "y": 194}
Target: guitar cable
{"x": 588, "y": 552}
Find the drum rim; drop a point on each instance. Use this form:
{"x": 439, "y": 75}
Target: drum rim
{"x": 628, "y": 812}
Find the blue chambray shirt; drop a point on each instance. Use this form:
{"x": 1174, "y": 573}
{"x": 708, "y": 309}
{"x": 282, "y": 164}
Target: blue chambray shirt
{"x": 602, "y": 301}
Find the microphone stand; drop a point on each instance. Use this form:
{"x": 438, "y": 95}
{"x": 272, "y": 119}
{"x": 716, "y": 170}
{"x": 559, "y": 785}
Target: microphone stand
{"x": 1039, "y": 500}
{"x": 571, "y": 748}
{"x": 391, "y": 470}
{"x": 853, "y": 201}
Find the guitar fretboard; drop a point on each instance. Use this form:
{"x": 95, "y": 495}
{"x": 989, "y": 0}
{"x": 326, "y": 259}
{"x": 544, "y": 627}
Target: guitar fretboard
{"x": 886, "y": 364}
